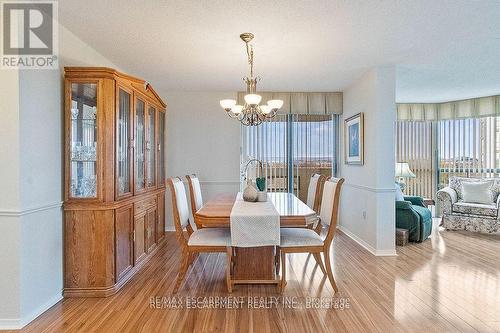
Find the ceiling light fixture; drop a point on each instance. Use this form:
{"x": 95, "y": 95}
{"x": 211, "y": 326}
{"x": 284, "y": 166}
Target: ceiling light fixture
{"x": 251, "y": 113}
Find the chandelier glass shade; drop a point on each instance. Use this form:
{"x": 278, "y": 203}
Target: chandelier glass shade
{"x": 251, "y": 113}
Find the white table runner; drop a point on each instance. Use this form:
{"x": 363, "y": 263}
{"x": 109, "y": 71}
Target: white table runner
{"x": 254, "y": 223}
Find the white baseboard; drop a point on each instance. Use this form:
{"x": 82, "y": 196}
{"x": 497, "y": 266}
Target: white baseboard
{"x": 10, "y": 324}
{"x": 17, "y": 324}
{"x": 41, "y": 309}
{"x": 365, "y": 245}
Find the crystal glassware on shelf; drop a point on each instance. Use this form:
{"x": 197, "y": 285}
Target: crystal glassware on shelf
{"x": 93, "y": 151}
{"x": 89, "y": 186}
{"x": 93, "y": 113}
{"x": 74, "y": 189}
{"x": 76, "y": 151}
{"x": 74, "y": 113}
{"x": 83, "y": 154}
{"x": 121, "y": 185}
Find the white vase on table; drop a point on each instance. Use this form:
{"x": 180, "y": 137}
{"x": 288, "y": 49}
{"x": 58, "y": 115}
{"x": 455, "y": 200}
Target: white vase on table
{"x": 250, "y": 193}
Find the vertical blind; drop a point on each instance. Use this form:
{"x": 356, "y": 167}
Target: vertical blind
{"x": 291, "y": 147}
{"x": 438, "y": 150}
{"x": 415, "y": 145}
{"x": 267, "y": 143}
{"x": 469, "y": 148}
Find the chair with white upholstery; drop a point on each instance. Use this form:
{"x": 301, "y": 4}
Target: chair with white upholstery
{"x": 194, "y": 242}
{"x": 302, "y": 240}
{"x": 195, "y": 196}
{"x": 314, "y": 191}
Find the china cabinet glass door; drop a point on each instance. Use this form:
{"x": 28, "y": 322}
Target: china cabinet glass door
{"x": 150, "y": 147}
{"x": 161, "y": 150}
{"x": 123, "y": 156}
{"x": 83, "y": 150}
{"x": 140, "y": 138}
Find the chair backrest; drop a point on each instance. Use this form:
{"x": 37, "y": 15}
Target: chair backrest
{"x": 194, "y": 193}
{"x": 179, "y": 206}
{"x": 314, "y": 191}
{"x": 330, "y": 205}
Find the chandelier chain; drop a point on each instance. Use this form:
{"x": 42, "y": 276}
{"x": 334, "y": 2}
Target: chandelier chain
{"x": 251, "y": 113}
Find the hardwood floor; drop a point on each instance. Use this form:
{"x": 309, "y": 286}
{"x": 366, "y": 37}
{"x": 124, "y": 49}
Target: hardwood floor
{"x": 449, "y": 283}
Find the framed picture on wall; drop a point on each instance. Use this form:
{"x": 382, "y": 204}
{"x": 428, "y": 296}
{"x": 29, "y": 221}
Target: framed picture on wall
{"x": 353, "y": 139}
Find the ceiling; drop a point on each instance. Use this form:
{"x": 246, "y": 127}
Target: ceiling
{"x": 443, "y": 50}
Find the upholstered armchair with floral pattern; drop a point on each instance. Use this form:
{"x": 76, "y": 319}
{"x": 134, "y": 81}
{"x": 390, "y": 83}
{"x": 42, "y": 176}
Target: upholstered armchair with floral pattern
{"x": 460, "y": 215}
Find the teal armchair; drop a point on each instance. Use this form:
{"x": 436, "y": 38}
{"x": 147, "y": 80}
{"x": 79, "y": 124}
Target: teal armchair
{"x": 411, "y": 214}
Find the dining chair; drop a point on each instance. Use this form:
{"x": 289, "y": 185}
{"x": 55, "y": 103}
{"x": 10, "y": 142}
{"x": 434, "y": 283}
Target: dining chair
{"x": 313, "y": 201}
{"x": 191, "y": 241}
{"x": 314, "y": 191}
{"x": 302, "y": 240}
{"x": 195, "y": 196}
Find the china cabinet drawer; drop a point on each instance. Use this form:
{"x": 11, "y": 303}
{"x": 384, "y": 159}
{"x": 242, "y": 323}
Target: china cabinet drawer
{"x": 144, "y": 205}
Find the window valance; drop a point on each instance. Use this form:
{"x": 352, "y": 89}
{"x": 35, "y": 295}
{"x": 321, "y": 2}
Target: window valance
{"x": 467, "y": 108}
{"x": 303, "y": 102}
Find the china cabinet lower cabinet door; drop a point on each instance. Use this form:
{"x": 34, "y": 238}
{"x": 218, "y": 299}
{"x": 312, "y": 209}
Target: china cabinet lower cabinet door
{"x": 140, "y": 222}
{"x": 124, "y": 229}
{"x": 160, "y": 224}
{"x": 151, "y": 229}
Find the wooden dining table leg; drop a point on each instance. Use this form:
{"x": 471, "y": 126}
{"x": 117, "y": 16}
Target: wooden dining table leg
{"x": 277, "y": 258}
{"x": 255, "y": 263}
{"x": 283, "y": 271}
{"x": 229, "y": 264}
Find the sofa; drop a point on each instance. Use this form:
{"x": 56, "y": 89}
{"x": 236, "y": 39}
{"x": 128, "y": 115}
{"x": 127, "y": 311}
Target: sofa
{"x": 412, "y": 215}
{"x": 460, "y": 215}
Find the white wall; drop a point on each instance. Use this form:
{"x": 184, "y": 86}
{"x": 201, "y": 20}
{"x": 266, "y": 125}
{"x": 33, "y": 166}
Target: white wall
{"x": 367, "y": 203}
{"x": 31, "y": 141}
{"x": 9, "y": 198}
{"x": 201, "y": 139}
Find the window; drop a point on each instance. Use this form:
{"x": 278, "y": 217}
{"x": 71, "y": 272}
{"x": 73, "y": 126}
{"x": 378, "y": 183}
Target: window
{"x": 468, "y": 148}
{"x": 291, "y": 148}
{"x": 437, "y": 150}
{"x": 415, "y": 144}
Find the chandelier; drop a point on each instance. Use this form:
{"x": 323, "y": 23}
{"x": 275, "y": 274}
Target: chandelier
{"x": 251, "y": 113}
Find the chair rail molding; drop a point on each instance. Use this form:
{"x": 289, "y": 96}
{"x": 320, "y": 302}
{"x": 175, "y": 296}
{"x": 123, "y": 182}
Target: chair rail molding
{"x": 220, "y": 182}
{"x": 371, "y": 189}
{"x": 30, "y": 210}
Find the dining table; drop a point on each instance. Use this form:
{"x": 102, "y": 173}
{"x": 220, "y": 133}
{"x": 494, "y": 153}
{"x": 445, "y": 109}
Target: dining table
{"x": 255, "y": 265}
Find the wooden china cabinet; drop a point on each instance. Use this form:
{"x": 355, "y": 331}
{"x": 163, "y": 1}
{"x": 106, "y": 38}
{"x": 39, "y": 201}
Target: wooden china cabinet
{"x": 114, "y": 209}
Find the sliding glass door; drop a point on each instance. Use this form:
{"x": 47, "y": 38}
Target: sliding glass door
{"x": 291, "y": 148}
{"x": 416, "y": 145}
{"x": 469, "y": 148}
{"x": 268, "y": 144}
{"x": 437, "y": 150}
